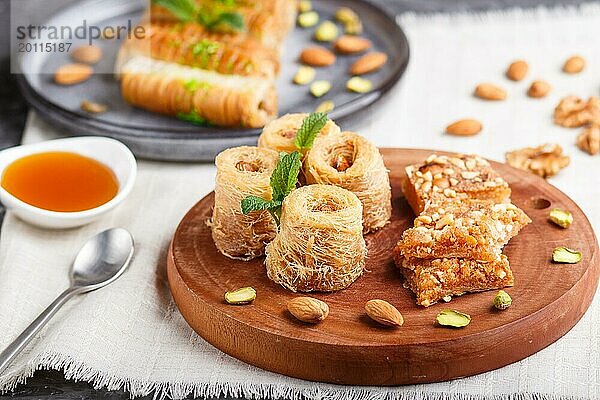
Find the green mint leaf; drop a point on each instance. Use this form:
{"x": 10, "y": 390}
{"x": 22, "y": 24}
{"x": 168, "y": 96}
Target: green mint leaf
{"x": 283, "y": 181}
{"x": 232, "y": 20}
{"x": 276, "y": 214}
{"x": 221, "y": 21}
{"x": 205, "y": 19}
{"x": 285, "y": 175}
{"x": 310, "y": 128}
{"x": 194, "y": 118}
{"x": 228, "y": 3}
{"x": 184, "y": 10}
{"x": 255, "y": 203}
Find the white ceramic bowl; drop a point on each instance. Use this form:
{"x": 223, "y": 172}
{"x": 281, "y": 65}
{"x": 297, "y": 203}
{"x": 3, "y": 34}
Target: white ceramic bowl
{"x": 110, "y": 152}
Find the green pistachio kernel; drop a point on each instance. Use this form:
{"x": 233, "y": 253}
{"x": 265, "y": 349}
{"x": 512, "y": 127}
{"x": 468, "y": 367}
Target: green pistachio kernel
{"x": 566, "y": 255}
{"x": 305, "y": 75}
{"x": 353, "y": 28}
{"x": 502, "y": 300}
{"x": 561, "y": 218}
{"x": 453, "y": 319}
{"x": 326, "y": 32}
{"x": 308, "y": 19}
{"x": 345, "y": 15}
{"x": 325, "y": 107}
{"x": 319, "y": 88}
{"x": 359, "y": 85}
{"x": 304, "y": 6}
{"x": 245, "y": 295}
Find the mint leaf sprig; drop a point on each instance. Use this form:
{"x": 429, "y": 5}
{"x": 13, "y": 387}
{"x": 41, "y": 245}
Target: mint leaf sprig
{"x": 222, "y": 21}
{"x": 213, "y": 18}
{"x": 308, "y": 131}
{"x": 283, "y": 181}
{"x": 184, "y": 10}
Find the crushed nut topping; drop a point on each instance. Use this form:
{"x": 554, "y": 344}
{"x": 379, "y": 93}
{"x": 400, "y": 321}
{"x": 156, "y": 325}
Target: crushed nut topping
{"x": 289, "y": 133}
{"x": 545, "y": 160}
{"x": 246, "y": 166}
{"x": 468, "y": 228}
{"x": 443, "y": 177}
{"x": 573, "y": 112}
{"x": 342, "y": 163}
{"x": 589, "y": 140}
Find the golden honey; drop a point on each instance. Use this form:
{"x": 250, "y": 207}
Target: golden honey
{"x": 60, "y": 181}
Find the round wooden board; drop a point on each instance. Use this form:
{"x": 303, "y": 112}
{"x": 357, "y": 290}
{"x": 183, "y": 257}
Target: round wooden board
{"x": 347, "y": 348}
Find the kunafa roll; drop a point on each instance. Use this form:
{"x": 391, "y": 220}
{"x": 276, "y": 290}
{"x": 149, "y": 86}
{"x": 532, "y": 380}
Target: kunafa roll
{"x": 241, "y": 172}
{"x": 352, "y": 162}
{"x": 319, "y": 246}
{"x": 193, "y": 45}
{"x": 197, "y": 95}
{"x": 268, "y": 21}
{"x": 280, "y": 133}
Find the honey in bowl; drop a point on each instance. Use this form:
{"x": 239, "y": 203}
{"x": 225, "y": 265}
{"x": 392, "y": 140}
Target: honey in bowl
{"x": 60, "y": 181}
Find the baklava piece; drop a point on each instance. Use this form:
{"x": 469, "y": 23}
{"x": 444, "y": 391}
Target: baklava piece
{"x": 442, "y": 178}
{"x": 474, "y": 229}
{"x": 434, "y": 280}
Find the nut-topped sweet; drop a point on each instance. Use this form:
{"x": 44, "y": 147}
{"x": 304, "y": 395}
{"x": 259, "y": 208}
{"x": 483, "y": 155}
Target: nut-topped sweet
{"x": 464, "y": 219}
{"x": 475, "y": 229}
{"x": 435, "y": 279}
{"x": 440, "y": 178}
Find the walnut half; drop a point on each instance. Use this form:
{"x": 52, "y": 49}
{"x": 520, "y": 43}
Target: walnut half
{"x": 545, "y": 160}
{"x": 589, "y": 140}
{"x": 573, "y": 112}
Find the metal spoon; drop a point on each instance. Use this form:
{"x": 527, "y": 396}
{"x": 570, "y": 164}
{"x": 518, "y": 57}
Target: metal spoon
{"x": 99, "y": 262}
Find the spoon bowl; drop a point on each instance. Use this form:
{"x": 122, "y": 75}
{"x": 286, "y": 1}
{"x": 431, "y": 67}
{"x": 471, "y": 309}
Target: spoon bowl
{"x": 102, "y": 259}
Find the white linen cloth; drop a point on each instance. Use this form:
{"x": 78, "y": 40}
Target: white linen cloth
{"x": 130, "y": 334}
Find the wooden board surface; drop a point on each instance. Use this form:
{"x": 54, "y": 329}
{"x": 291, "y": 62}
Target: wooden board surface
{"x": 348, "y": 348}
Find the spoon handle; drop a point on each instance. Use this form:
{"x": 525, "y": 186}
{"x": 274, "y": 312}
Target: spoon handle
{"x": 24, "y": 338}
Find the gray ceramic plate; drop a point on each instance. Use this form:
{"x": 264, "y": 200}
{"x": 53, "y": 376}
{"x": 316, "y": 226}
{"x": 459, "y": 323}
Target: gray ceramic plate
{"x": 163, "y": 138}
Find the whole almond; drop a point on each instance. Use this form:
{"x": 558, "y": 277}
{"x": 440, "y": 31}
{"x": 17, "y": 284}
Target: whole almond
{"x": 383, "y": 312}
{"x": 349, "y": 44}
{"x": 517, "y": 70}
{"x": 489, "y": 91}
{"x": 71, "y": 74}
{"x": 317, "y": 56}
{"x": 308, "y": 309}
{"x": 464, "y": 127}
{"x": 539, "y": 89}
{"x": 87, "y": 54}
{"x": 370, "y": 62}
{"x": 574, "y": 65}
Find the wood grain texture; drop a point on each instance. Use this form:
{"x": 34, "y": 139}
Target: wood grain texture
{"x": 348, "y": 348}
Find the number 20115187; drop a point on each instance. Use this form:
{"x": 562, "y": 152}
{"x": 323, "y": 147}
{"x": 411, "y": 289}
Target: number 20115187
{"x": 44, "y": 47}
